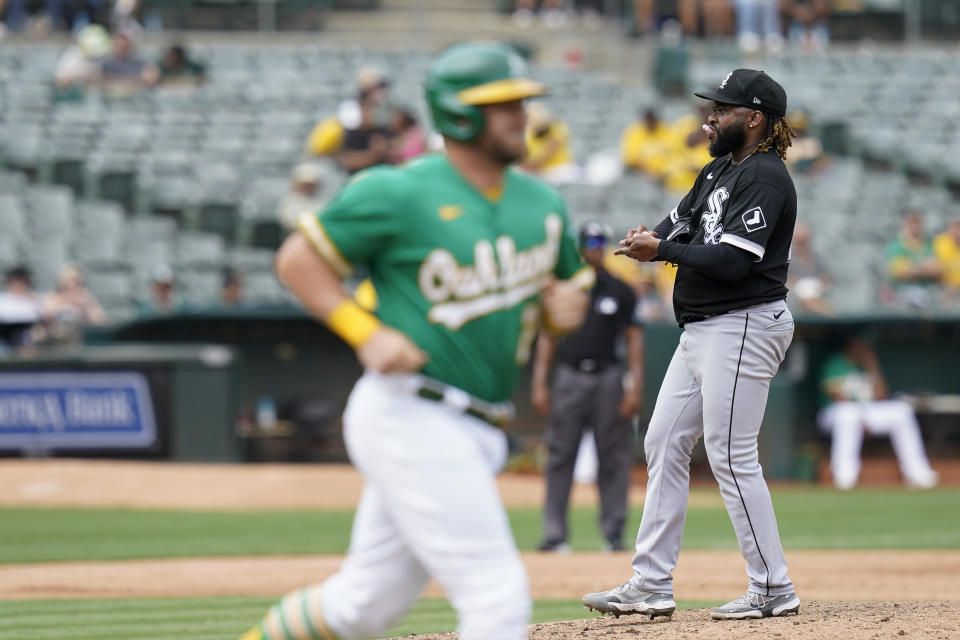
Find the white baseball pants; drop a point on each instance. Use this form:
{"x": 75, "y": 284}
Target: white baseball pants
{"x": 847, "y": 421}
{"x": 430, "y": 507}
{"x": 716, "y": 385}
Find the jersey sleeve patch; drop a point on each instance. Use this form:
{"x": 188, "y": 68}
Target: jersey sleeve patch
{"x": 753, "y": 220}
{"x": 743, "y": 243}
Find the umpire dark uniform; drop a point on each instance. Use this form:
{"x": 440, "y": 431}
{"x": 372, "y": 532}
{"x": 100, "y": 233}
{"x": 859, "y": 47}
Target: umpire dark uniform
{"x": 588, "y": 393}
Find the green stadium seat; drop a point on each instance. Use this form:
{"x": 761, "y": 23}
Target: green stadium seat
{"x": 267, "y": 234}
{"x": 12, "y": 183}
{"x": 194, "y": 249}
{"x": 12, "y": 217}
{"x": 101, "y": 233}
{"x": 220, "y": 218}
{"x": 51, "y": 212}
{"x": 112, "y": 287}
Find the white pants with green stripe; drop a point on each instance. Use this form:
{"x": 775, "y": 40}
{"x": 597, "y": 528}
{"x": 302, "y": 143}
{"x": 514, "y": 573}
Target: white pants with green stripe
{"x": 430, "y": 508}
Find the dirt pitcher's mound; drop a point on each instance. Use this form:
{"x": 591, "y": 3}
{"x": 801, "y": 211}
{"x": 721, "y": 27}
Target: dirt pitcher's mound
{"x": 816, "y": 621}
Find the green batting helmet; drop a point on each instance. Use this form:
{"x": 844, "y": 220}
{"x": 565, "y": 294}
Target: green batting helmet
{"x": 467, "y": 76}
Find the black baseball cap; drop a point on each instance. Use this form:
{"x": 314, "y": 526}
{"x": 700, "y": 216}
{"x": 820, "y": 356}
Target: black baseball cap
{"x": 749, "y": 88}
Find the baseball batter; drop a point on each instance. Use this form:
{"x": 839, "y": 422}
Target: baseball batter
{"x": 730, "y": 236}
{"x": 466, "y": 255}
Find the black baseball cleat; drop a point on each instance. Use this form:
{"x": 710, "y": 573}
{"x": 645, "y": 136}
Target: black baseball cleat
{"x": 628, "y": 599}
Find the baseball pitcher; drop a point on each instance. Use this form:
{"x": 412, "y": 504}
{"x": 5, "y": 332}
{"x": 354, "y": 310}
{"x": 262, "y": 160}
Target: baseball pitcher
{"x": 730, "y": 236}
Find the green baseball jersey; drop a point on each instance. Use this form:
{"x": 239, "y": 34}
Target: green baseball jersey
{"x": 459, "y": 273}
{"x": 840, "y": 374}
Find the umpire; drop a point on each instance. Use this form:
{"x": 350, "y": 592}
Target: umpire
{"x": 589, "y": 392}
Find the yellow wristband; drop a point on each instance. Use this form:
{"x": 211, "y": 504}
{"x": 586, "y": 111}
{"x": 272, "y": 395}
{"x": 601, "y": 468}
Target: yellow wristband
{"x": 352, "y": 323}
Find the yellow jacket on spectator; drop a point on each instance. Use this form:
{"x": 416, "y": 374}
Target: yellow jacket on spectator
{"x": 947, "y": 252}
{"x": 550, "y": 149}
{"x": 646, "y": 149}
{"x": 326, "y": 138}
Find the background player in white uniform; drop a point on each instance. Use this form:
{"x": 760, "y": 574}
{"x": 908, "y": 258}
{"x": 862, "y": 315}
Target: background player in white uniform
{"x": 460, "y": 249}
{"x": 856, "y": 400}
{"x": 731, "y": 238}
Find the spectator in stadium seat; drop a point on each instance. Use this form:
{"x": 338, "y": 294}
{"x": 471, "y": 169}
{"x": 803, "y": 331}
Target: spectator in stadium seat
{"x": 691, "y": 150}
{"x": 549, "y": 154}
{"x": 124, "y": 71}
{"x": 808, "y": 28}
{"x": 807, "y": 280}
{"x": 856, "y": 401}
{"x": 409, "y": 139}
{"x": 21, "y": 311}
{"x": 177, "y": 69}
{"x": 806, "y": 152}
{"x": 327, "y": 136}
{"x": 303, "y": 194}
{"x": 123, "y": 17}
{"x": 946, "y": 249}
{"x": 72, "y": 307}
{"x": 758, "y": 24}
{"x": 911, "y": 265}
{"x": 716, "y": 16}
{"x": 161, "y": 292}
{"x": 367, "y": 144}
{"x": 44, "y": 16}
{"x": 231, "y": 290}
{"x": 646, "y": 144}
{"x": 551, "y": 12}
{"x": 79, "y": 65}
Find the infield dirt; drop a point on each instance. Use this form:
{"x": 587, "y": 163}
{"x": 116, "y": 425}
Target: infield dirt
{"x": 816, "y": 621}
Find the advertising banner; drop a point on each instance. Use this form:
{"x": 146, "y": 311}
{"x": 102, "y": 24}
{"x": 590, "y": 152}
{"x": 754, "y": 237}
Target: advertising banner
{"x": 76, "y": 410}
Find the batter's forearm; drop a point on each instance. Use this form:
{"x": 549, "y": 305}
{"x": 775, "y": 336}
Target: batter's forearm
{"x": 317, "y": 286}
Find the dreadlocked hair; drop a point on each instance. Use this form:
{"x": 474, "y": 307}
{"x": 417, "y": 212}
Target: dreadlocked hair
{"x": 779, "y": 136}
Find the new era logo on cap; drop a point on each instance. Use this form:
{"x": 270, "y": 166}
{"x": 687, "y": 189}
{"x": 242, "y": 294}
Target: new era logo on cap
{"x": 749, "y": 88}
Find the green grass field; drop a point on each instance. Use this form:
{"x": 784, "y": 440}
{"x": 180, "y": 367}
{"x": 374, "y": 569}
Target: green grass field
{"x": 223, "y": 618}
{"x": 810, "y": 518}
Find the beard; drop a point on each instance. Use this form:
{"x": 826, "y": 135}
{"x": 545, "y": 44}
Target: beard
{"x": 501, "y": 151}
{"x": 728, "y": 140}
{"x": 506, "y": 154}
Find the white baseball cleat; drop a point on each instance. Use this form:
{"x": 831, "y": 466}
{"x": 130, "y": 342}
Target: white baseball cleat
{"x": 628, "y": 599}
{"x": 755, "y": 605}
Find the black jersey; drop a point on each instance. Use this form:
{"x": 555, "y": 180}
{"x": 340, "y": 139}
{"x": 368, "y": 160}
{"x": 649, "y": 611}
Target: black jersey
{"x": 752, "y": 206}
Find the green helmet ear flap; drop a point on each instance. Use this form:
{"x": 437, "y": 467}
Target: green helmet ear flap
{"x": 453, "y": 118}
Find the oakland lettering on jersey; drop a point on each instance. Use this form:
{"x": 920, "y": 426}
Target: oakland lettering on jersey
{"x": 497, "y": 279}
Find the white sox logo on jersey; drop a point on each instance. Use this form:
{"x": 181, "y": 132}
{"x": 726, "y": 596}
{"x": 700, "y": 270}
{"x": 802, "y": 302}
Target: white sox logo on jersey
{"x": 499, "y": 278}
{"x": 753, "y": 220}
{"x": 710, "y": 219}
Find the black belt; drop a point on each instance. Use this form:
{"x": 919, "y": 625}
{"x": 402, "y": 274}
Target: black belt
{"x": 498, "y": 414}
{"x": 590, "y": 365}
